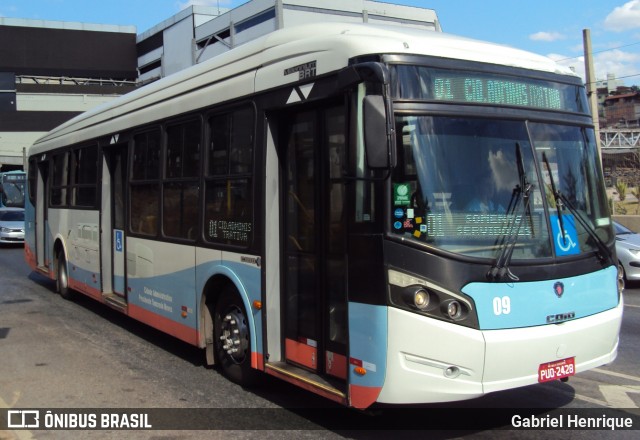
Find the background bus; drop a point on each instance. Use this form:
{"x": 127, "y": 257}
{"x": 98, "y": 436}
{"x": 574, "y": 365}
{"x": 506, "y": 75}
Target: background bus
{"x": 375, "y": 214}
{"x": 12, "y": 189}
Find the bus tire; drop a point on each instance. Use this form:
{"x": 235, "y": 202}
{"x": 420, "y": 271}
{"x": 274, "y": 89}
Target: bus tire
{"x": 62, "y": 278}
{"x": 232, "y": 338}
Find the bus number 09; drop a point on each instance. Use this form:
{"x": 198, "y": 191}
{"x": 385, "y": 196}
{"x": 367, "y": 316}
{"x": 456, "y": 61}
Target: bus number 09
{"x": 501, "y": 306}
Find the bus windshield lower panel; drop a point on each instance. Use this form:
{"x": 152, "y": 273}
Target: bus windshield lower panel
{"x": 471, "y": 185}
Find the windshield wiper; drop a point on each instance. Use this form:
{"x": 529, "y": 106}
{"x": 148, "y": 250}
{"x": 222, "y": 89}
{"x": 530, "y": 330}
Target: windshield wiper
{"x": 520, "y": 194}
{"x": 557, "y": 196}
{"x": 561, "y": 202}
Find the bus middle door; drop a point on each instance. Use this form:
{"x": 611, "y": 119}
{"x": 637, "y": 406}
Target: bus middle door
{"x": 113, "y": 222}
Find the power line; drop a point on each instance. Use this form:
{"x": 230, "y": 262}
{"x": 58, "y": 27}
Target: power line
{"x": 629, "y": 76}
{"x": 603, "y": 50}
{"x": 617, "y": 78}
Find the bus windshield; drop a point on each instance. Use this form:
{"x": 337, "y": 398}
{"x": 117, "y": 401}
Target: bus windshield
{"x": 12, "y": 190}
{"x": 459, "y": 186}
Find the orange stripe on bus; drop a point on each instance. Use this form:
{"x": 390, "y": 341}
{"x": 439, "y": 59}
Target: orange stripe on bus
{"x": 180, "y": 331}
{"x": 363, "y": 397}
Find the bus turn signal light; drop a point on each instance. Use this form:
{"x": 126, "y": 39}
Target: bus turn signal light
{"x": 360, "y": 371}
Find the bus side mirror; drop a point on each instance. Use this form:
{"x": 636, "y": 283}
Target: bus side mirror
{"x": 378, "y": 133}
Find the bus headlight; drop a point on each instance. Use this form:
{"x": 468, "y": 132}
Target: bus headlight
{"x": 453, "y": 309}
{"x": 426, "y": 298}
{"x": 421, "y": 299}
{"x": 418, "y": 297}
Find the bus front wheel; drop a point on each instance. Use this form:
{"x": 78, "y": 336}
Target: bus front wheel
{"x": 232, "y": 336}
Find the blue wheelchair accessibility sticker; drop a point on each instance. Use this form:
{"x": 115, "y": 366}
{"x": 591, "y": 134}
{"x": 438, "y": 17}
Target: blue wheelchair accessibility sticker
{"x": 567, "y": 243}
{"x": 118, "y": 241}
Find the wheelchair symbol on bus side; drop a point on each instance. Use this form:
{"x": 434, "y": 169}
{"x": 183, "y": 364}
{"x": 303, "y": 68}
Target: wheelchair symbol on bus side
{"x": 118, "y": 241}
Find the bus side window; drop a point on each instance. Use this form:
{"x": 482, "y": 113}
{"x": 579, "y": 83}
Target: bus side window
{"x": 60, "y": 179}
{"x": 229, "y": 181}
{"x": 180, "y": 186}
{"x": 145, "y": 184}
{"x": 84, "y": 176}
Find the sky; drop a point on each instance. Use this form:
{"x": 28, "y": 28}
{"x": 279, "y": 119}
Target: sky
{"x": 548, "y": 27}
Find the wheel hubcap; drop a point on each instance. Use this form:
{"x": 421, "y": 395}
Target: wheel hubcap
{"x": 234, "y": 335}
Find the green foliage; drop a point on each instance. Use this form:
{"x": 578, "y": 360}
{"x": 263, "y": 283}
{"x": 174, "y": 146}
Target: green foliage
{"x": 621, "y": 187}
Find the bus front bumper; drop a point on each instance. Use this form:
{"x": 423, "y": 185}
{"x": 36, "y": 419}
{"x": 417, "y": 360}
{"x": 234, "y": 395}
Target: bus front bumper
{"x": 432, "y": 361}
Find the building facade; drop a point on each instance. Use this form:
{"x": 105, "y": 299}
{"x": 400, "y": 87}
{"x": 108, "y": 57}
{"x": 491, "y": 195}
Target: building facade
{"x": 198, "y": 33}
{"x": 51, "y": 71}
{"x": 623, "y": 110}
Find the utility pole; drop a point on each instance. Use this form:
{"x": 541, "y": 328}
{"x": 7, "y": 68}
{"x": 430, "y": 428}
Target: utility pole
{"x": 592, "y": 91}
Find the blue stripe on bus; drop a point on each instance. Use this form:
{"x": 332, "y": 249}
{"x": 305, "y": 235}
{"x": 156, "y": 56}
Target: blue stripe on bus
{"x": 84, "y": 276}
{"x": 166, "y": 295}
{"x": 526, "y": 304}
{"x": 367, "y": 343}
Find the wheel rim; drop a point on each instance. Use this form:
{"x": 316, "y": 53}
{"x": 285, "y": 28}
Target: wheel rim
{"x": 235, "y": 335}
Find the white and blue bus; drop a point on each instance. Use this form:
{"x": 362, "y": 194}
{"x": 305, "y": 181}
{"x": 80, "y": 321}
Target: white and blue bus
{"x": 12, "y": 189}
{"x": 375, "y": 214}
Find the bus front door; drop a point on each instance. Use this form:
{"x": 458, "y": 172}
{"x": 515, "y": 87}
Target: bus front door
{"x": 314, "y": 241}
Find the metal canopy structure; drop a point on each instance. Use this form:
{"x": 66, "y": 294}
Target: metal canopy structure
{"x": 623, "y": 139}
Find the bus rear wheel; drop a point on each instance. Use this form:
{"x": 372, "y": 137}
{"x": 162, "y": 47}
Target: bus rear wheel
{"x": 62, "y": 278}
{"x": 232, "y": 336}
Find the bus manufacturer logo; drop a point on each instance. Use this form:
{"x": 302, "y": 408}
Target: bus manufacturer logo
{"x": 250, "y": 260}
{"x": 560, "y": 317}
{"x": 558, "y": 288}
{"x": 306, "y": 70}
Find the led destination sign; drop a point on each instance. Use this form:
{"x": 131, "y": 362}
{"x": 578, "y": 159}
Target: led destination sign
{"x": 496, "y": 91}
{"x": 425, "y": 83}
{"x": 15, "y": 178}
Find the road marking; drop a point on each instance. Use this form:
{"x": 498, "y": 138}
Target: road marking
{"x": 573, "y": 395}
{"x": 632, "y": 305}
{"x": 618, "y": 396}
{"x": 586, "y": 399}
{"x": 616, "y": 374}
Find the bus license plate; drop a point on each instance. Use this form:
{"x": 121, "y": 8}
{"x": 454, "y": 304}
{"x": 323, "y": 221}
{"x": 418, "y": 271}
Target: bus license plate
{"x": 556, "y": 370}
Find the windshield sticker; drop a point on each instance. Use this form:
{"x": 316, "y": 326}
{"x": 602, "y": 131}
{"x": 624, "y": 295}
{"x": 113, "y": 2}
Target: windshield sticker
{"x": 565, "y": 243}
{"x": 405, "y": 221}
{"x": 401, "y": 194}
